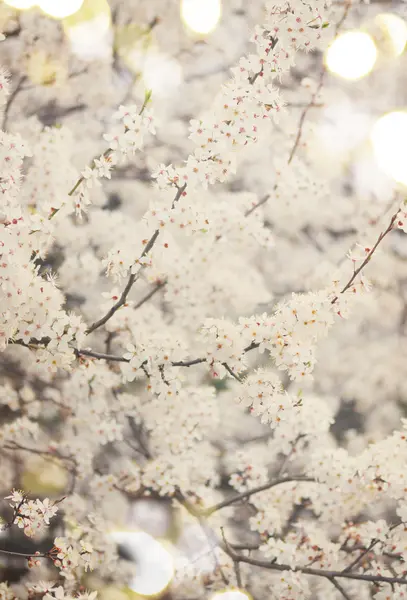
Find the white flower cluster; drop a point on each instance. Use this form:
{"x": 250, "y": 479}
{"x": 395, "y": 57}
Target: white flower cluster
{"x": 139, "y": 414}
{"x": 31, "y": 515}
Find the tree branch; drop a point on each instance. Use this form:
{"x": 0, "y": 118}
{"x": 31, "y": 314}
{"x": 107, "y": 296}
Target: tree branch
{"x": 340, "y": 588}
{"x": 318, "y": 572}
{"x": 10, "y": 101}
{"x": 152, "y": 292}
{"x": 134, "y": 276}
{"x": 369, "y": 256}
{"x": 261, "y": 488}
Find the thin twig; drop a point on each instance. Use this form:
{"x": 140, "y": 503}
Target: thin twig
{"x": 150, "y": 295}
{"x": 134, "y": 276}
{"x": 259, "y": 203}
{"x": 361, "y": 556}
{"x": 230, "y": 371}
{"x": 319, "y": 572}
{"x": 316, "y": 92}
{"x": 123, "y": 298}
{"x": 198, "y": 514}
{"x": 369, "y": 256}
{"x": 330, "y": 575}
{"x": 100, "y": 355}
{"x": 24, "y": 555}
{"x": 236, "y": 564}
{"x": 261, "y": 488}
{"x": 11, "y": 100}
{"x": 365, "y": 552}
{"x": 340, "y": 588}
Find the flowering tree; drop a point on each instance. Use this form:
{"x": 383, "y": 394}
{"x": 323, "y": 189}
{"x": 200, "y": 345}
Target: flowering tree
{"x": 164, "y": 349}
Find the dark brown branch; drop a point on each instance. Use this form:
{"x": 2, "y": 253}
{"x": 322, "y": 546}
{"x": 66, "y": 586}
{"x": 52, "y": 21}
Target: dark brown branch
{"x": 315, "y": 94}
{"x": 146, "y": 298}
{"x": 304, "y": 115}
{"x": 318, "y": 572}
{"x": 259, "y": 203}
{"x": 11, "y": 100}
{"x": 50, "y": 454}
{"x": 340, "y": 588}
{"x": 134, "y": 276}
{"x": 24, "y": 555}
{"x": 100, "y": 355}
{"x": 230, "y": 371}
{"x": 365, "y": 552}
{"x": 236, "y": 564}
{"x": 369, "y": 256}
{"x": 16, "y": 512}
{"x": 361, "y": 556}
{"x": 123, "y": 298}
{"x": 188, "y": 363}
{"x": 243, "y": 495}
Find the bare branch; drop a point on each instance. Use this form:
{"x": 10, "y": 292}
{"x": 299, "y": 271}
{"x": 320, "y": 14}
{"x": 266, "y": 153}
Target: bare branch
{"x": 236, "y": 564}
{"x": 243, "y": 495}
{"x": 231, "y": 372}
{"x": 35, "y": 555}
{"x": 314, "y": 96}
{"x": 152, "y": 293}
{"x": 123, "y": 298}
{"x": 11, "y": 100}
{"x": 318, "y": 572}
{"x": 340, "y": 588}
{"x": 134, "y": 276}
{"x": 369, "y": 256}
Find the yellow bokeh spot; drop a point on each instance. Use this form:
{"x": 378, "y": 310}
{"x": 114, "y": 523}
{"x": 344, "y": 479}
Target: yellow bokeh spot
{"x": 112, "y": 593}
{"x": 154, "y": 564}
{"x": 89, "y": 30}
{"x": 21, "y": 4}
{"x": 389, "y": 140}
{"x": 59, "y": 9}
{"x": 45, "y": 476}
{"x": 90, "y": 9}
{"x": 44, "y": 70}
{"x": 201, "y": 16}
{"x": 351, "y": 55}
{"x": 393, "y": 30}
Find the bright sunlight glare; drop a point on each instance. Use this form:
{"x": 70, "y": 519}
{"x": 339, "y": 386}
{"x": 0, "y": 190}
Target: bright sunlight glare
{"x": 395, "y": 30}
{"x": 389, "y": 139}
{"x": 92, "y": 39}
{"x": 201, "y": 16}
{"x": 154, "y": 565}
{"x": 351, "y": 55}
{"x": 21, "y": 4}
{"x": 59, "y": 9}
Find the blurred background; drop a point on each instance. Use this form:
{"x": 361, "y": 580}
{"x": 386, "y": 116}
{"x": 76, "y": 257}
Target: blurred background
{"x": 72, "y": 62}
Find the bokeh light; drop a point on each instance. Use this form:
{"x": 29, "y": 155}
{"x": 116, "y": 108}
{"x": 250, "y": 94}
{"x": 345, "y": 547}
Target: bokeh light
{"x": 394, "y": 31}
{"x": 161, "y": 74}
{"x": 112, "y": 593}
{"x": 351, "y": 55}
{"x": 201, "y": 16}
{"x": 154, "y": 565}
{"x": 91, "y": 40}
{"x": 197, "y": 544}
{"x": 59, "y": 9}
{"x": 151, "y": 516}
{"x": 89, "y": 30}
{"x": 45, "y": 476}
{"x": 231, "y": 595}
{"x": 389, "y": 140}
{"x": 21, "y": 4}
{"x": 342, "y": 127}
